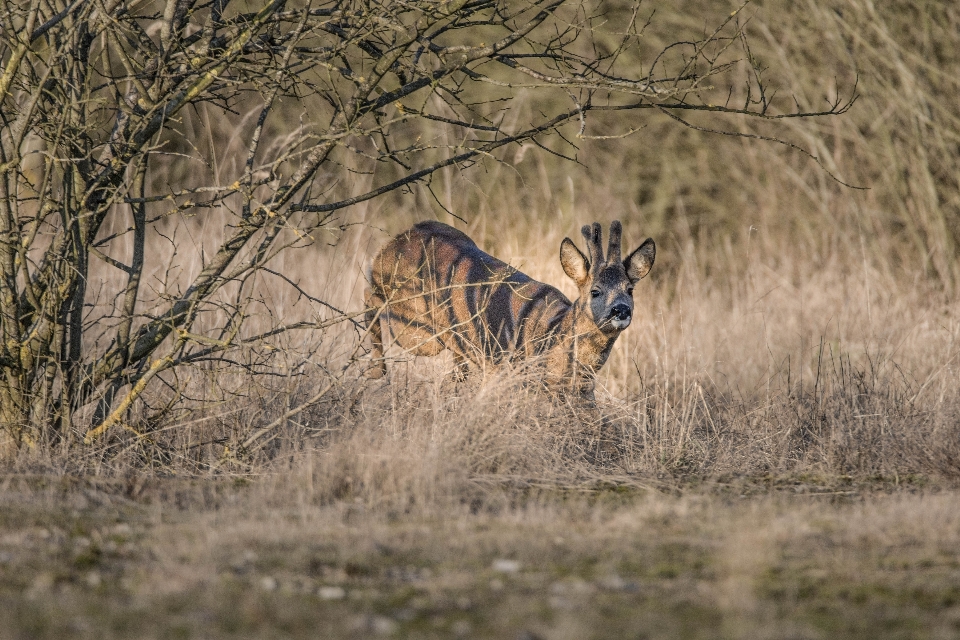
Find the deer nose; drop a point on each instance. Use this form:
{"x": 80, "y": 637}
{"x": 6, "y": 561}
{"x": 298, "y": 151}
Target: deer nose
{"x": 620, "y": 312}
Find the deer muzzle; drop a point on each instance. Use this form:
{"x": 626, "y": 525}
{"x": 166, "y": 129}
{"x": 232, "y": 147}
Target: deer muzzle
{"x": 620, "y": 316}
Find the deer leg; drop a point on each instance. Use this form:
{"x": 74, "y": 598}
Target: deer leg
{"x": 374, "y": 305}
{"x": 460, "y": 367}
{"x": 603, "y": 431}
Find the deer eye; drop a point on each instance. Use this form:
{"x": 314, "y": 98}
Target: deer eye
{"x": 595, "y": 293}
{"x": 629, "y": 291}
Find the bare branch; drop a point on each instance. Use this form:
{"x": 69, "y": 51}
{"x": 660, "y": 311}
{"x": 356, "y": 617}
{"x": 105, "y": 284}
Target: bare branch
{"x": 190, "y": 147}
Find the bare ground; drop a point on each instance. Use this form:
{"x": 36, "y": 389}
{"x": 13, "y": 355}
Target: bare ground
{"x": 218, "y": 559}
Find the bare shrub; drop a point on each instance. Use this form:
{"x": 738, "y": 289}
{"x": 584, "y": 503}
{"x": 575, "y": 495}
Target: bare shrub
{"x": 126, "y": 120}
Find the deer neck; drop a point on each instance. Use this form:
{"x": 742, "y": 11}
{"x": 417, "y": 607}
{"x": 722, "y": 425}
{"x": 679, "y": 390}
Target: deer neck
{"x": 583, "y": 340}
{"x": 578, "y": 351}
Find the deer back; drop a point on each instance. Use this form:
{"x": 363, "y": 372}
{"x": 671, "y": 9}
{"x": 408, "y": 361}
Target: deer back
{"x": 439, "y": 290}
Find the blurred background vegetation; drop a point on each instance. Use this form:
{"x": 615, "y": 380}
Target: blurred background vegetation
{"x": 717, "y": 195}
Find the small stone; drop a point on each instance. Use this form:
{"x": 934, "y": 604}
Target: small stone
{"x": 93, "y": 579}
{"x": 41, "y": 584}
{"x": 506, "y": 566}
{"x": 268, "y": 584}
{"x": 612, "y": 582}
{"x": 382, "y": 625}
{"x": 328, "y": 592}
{"x": 461, "y": 628}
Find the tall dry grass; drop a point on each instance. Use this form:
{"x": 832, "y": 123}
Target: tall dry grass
{"x": 793, "y": 328}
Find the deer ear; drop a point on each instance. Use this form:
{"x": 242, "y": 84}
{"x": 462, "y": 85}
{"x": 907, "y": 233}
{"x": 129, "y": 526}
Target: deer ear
{"x": 639, "y": 263}
{"x": 575, "y": 264}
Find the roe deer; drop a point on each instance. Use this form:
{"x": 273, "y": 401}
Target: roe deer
{"x": 433, "y": 288}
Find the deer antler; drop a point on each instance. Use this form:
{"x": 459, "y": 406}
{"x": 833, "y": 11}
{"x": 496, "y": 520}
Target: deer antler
{"x": 613, "y": 248}
{"x": 592, "y": 234}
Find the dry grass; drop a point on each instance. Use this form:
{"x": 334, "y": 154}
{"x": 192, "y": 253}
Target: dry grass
{"x": 782, "y": 453}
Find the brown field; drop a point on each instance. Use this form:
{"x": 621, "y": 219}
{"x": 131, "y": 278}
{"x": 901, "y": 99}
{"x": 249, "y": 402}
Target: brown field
{"x": 783, "y": 450}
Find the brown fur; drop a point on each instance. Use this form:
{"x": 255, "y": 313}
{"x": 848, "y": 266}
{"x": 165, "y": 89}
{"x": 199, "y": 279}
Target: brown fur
{"x": 433, "y": 288}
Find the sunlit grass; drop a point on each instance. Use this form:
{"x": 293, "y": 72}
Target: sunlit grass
{"x": 780, "y": 452}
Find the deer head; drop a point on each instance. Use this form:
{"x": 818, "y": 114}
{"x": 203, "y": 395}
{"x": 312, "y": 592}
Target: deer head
{"x": 606, "y": 285}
